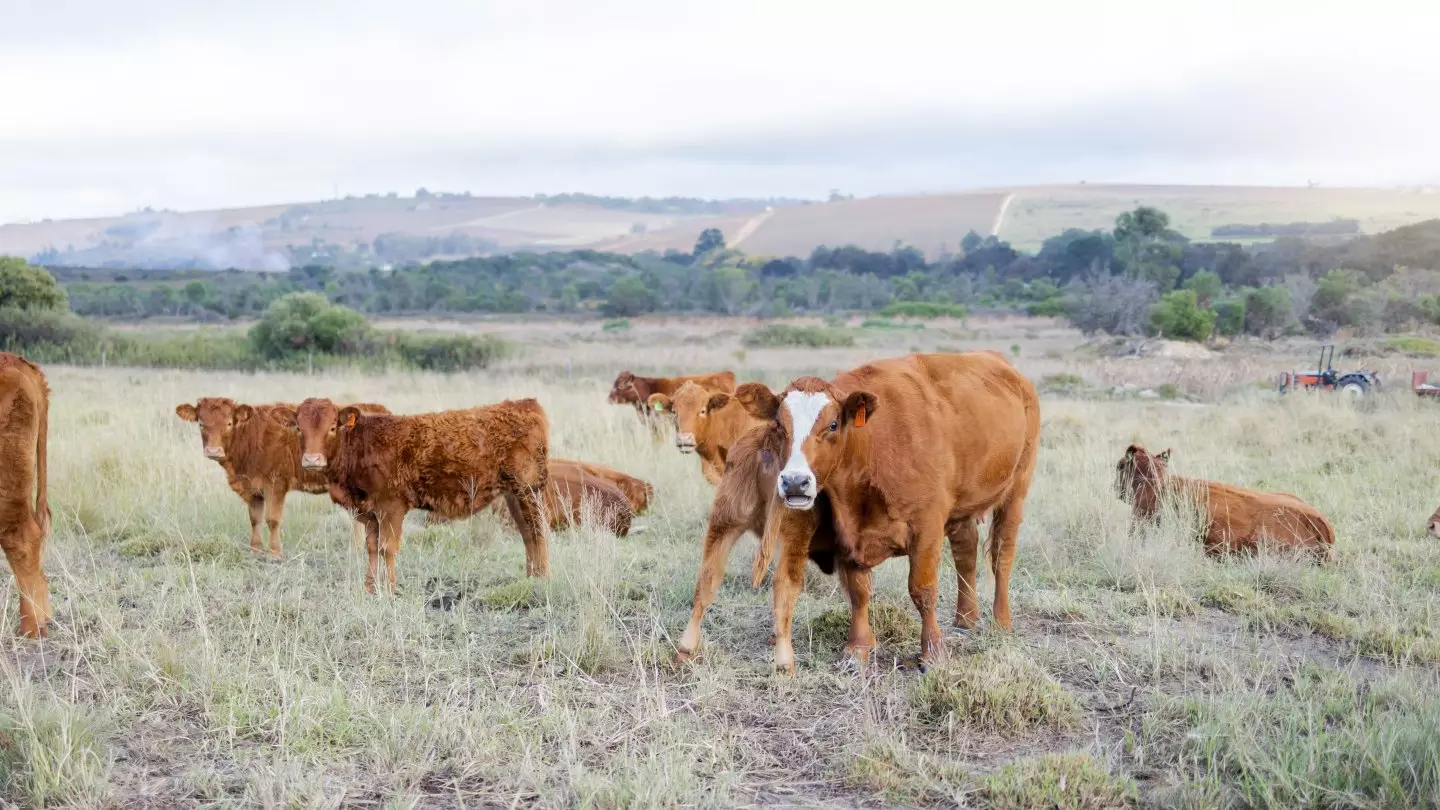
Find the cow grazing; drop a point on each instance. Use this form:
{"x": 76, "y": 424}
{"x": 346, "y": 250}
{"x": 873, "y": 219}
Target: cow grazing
{"x": 451, "y": 463}
{"x": 898, "y": 455}
{"x": 1235, "y": 519}
{"x": 707, "y": 424}
{"x": 260, "y": 458}
{"x": 24, "y": 485}
{"x": 635, "y": 392}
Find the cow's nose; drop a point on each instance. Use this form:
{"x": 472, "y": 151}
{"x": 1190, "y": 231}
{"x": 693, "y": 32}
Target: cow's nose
{"x": 214, "y": 452}
{"x": 795, "y": 485}
{"x": 1435, "y": 528}
{"x": 685, "y": 441}
{"x": 313, "y": 461}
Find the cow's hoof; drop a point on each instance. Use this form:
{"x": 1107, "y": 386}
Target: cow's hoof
{"x": 683, "y": 656}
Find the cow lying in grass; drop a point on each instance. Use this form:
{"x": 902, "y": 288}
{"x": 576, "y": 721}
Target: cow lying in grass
{"x": 1235, "y": 519}
{"x": 582, "y": 493}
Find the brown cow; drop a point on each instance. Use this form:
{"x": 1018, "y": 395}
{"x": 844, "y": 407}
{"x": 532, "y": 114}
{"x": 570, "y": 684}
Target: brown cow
{"x": 907, "y": 452}
{"x": 24, "y": 524}
{"x": 452, "y": 463}
{"x": 574, "y": 487}
{"x": 707, "y": 423}
{"x": 1433, "y": 526}
{"x": 637, "y": 491}
{"x": 635, "y": 391}
{"x": 260, "y": 458}
{"x": 1236, "y": 519}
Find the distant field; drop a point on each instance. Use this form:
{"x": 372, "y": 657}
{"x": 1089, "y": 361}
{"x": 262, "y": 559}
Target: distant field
{"x": 932, "y": 222}
{"x": 1039, "y": 213}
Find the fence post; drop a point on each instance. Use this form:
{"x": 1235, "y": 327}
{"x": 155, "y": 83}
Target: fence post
{"x": 310, "y": 363}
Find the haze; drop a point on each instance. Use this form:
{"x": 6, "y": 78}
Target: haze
{"x": 110, "y": 107}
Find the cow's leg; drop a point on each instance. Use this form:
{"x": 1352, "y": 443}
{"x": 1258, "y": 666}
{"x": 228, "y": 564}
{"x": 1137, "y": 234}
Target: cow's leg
{"x": 795, "y": 531}
{"x": 965, "y": 550}
{"x": 856, "y": 582}
{"x": 274, "y": 514}
{"x": 372, "y": 547}
{"x": 1003, "y": 534}
{"x": 24, "y": 549}
{"x": 924, "y": 584}
{"x": 256, "y": 502}
{"x": 720, "y": 537}
{"x": 392, "y": 526}
{"x": 525, "y": 510}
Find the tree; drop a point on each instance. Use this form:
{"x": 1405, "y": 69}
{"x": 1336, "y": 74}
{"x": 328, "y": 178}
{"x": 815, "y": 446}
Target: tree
{"x": 1230, "y": 317}
{"x": 1113, "y": 304}
{"x": 1146, "y": 248}
{"x": 628, "y": 296}
{"x": 1206, "y": 286}
{"x": 306, "y": 321}
{"x": 710, "y": 239}
{"x": 25, "y": 286}
{"x": 971, "y": 242}
{"x": 1267, "y": 311}
{"x": 1180, "y": 317}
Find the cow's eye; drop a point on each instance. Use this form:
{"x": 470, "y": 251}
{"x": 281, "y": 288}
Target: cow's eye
{"x": 835, "y": 425}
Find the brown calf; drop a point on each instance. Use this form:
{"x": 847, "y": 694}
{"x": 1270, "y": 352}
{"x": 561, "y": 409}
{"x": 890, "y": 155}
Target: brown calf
{"x": 452, "y": 463}
{"x": 1236, "y": 519}
{"x": 635, "y": 391}
{"x": 637, "y": 491}
{"x": 25, "y": 523}
{"x": 260, "y": 458}
{"x": 907, "y": 452}
{"x": 707, "y": 423}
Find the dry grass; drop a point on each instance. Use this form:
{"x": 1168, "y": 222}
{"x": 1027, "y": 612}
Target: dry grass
{"x": 183, "y": 672}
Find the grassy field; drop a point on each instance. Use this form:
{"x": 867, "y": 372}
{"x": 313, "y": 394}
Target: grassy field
{"x": 181, "y": 672}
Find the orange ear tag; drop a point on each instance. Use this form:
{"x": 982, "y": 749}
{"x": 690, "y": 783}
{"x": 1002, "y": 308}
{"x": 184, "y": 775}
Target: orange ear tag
{"x": 350, "y": 421}
{"x": 860, "y": 417}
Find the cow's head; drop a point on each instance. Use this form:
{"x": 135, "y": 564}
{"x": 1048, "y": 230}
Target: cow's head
{"x": 1139, "y": 469}
{"x": 218, "y": 417}
{"x": 623, "y": 391}
{"x": 817, "y": 422}
{"x": 1433, "y": 527}
{"x": 693, "y": 406}
{"x": 318, "y": 421}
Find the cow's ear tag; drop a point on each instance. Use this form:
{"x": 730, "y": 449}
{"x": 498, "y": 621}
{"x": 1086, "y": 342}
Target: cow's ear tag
{"x": 860, "y": 417}
{"x": 350, "y": 421}
{"x": 658, "y": 407}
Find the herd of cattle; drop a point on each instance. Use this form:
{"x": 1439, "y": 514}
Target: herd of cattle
{"x": 888, "y": 459}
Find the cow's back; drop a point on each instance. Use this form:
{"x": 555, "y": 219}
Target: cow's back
{"x": 636, "y": 490}
{"x": 573, "y": 498}
{"x": 974, "y": 408}
{"x": 1242, "y": 519}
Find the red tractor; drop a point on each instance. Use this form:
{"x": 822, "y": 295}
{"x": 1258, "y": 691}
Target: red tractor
{"x": 1326, "y": 378}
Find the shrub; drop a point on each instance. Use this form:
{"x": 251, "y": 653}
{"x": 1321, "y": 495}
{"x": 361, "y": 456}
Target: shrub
{"x": 448, "y": 352}
{"x": 996, "y": 690}
{"x": 1178, "y": 316}
{"x": 25, "y": 286}
{"x": 886, "y": 323}
{"x": 923, "y": 309}
{"x": 785, "y": 334}
{"x": 301, "y": 322}
{"x": 1414, "y": 346}
{"x": 616, "y": 324}
{"x": 1230, "y": 317}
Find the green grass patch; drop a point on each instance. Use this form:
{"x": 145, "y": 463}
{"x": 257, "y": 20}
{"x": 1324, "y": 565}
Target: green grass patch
{"x": 777, "y": 335}
{"x": 1074, "y": 781}
{"x": 615, "y": 325}
{"x": 887, "y": 324}
{"x": 999, "y": 689}
{"x": 517, "y": 595}
{"x": 923, "y": 309}
{"x": 1414, "y": 346}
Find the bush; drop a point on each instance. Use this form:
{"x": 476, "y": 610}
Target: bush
{"x": 922, "y": 309}
{"x": 1267, "y": 311}
{"x": 1414, "y": 346}
{"x": 886, "y": 323}
{"x": 307, "y": 322}
{"x": 25, "y": 286}
{"x": 1230, "y": 317}
{"x": 784, "y": 334}
{"x": 448, "y": 352}
{"x": 617, "y": 324}
{"x": 1179, "y": 317}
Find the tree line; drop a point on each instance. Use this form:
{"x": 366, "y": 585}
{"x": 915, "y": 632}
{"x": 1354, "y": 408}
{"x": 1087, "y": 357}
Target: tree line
{"x": 1139, "y": 276}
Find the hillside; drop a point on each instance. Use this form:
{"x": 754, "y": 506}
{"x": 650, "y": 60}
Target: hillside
{"x": 376, "y": 230}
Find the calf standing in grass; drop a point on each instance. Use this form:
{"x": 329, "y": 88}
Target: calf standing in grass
{"x": 24, "y": 498}
{"x": 630, "y": 389}
{"x": 260, "y": 458}
{"x": 707, "y": 424}
{"x": 1235, "y": 519}
{"x": 452, "y": 463}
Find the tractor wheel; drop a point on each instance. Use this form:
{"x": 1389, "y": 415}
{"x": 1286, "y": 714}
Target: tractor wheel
{"x": 1354, "y": 386}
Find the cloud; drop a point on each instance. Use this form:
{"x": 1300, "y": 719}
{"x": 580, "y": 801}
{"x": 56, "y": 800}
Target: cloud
{"x": 180, "y": 104}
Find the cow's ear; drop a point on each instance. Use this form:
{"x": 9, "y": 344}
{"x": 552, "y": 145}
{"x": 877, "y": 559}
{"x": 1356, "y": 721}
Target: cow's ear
{"x": 243, "y": 414}
{"x": 659, "y": 403}
{"x": 1132, "y": 450}
{"x": 345, "y": 420}
{"x": 717, "y": 401}
{"x": 859, "y": 407}
{"x": 1165, "y": 456}
{"x": 187, "y": 412}
{"x": 285, "y": 416}
{"x": 758, "y": 400}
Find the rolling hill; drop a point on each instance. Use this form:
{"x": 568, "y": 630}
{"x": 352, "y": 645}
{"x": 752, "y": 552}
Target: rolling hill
{"x": 444, "y": 226}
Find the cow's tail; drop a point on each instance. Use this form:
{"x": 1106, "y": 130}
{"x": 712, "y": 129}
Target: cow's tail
{"x": 42, "y": 462}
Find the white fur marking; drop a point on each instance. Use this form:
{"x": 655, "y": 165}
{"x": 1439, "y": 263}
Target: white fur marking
{"x": 804, "y": 409}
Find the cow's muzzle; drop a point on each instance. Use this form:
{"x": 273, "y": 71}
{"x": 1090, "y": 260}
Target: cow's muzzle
{"x": 215, "y": 452}
{"x": 313, "y": 461}
{"x": 797, "y": 489}
{"x": 685, "y": 442}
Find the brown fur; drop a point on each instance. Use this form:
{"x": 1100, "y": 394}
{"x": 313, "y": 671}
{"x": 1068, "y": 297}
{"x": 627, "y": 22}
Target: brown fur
{"x": 1432, "y": 526}
{"x": 452, "y": 463}
{"x": 923, "y": 447}
{"x": 24, "y": 458}
{"x": 707, "y": 423}
{"x": 571, "y": 484}
{"x": 1237, "y": 520}
{"x": 260, "y": 457}
{"x": 637, "y": 491}
{"x": 635, "y": 391}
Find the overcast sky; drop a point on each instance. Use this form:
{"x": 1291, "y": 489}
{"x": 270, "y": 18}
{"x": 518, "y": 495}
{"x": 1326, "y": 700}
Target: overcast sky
{"x": 107, "y": 106}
